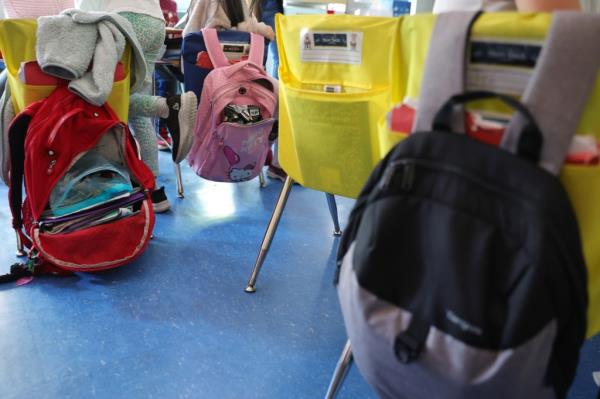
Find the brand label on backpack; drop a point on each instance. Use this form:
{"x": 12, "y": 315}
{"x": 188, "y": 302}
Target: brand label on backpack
{"x": 462, "y": 324}
{"x": 235, "y": 51}
{"x": 342, "y": 47}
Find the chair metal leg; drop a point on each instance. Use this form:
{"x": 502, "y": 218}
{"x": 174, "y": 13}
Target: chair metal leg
{"x": 341, "y": 369}
{"x": 179, "y": 180}
{"x": 20, "y": 251}
{"x": 261, "y": 179}
{"x": 271, "y": 228}
{"x": 334, "y": 214}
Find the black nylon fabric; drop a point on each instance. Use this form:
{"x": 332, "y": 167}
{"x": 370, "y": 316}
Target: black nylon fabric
{"x": 16, "y": 139}
{"x": 477, "y": 242}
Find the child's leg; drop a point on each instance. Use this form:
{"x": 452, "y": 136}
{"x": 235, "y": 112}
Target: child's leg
{"x": 143, "y": 107}
{"x": 165, "y": 85}
{"x": 150, "y": 32}
{"x": 180, "y": 111}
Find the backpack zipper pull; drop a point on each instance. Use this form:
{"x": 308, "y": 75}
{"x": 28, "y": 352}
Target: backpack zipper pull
{"x": 338, "y": 272}
{"x": 408, "y": 177}
{"x": 51, "y": 167}
{"x": 388, "y": 175}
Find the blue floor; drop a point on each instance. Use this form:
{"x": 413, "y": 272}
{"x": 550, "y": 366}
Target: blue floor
{"x": 177, "y": 323}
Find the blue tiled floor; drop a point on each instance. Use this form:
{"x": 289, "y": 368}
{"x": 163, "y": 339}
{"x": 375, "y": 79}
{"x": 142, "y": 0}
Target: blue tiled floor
{"x": 177, "y": 323}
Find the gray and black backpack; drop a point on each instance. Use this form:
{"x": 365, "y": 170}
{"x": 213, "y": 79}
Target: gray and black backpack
{"x": 461, "y": 273}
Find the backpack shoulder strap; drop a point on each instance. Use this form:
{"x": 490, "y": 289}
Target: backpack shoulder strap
{"x": 561, "y": 84}
{"x": 257, "y": 48}
{"x": 444, "y": 74}
{"x": 16, "y": 138}
{"x": 555, "y": 95}
{"x": 213, "y": 47}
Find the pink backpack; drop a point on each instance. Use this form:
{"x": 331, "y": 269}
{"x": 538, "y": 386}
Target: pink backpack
{"x": 235, "y": 116}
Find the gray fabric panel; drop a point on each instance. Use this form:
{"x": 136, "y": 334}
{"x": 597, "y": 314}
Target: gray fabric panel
{"x": 138, "y": 63}
{"x": 67, "y": 43}
{"x": 64, "y": 48}
{"x": 499, "y": 5}
{"x": 447, "y": 369}
{"x": 561, "y": 84}
{"x": 96, "y": 85}
{"x": 444, "y": 73}
{"x": 7, "y": 114}
{"x": 111, "y": 146}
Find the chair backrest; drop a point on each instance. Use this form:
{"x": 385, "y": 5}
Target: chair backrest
{"x": 337, "y": 77}
{"x": 193, "y": 49}
{"x": 17, "y": 45}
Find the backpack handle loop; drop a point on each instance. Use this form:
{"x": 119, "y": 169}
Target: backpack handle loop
{"x": 218, "y": 58}
{"x": 213, "y": 48}
{"x": 531, "y": 138}
{"x": 257, "y": 49}
{"x": 61, "y": 122}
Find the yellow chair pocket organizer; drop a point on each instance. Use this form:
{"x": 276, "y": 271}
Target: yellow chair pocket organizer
{"x": 17, "y": 45}
{"x": 581, "y": 182}
{"x": 336, "y": 81}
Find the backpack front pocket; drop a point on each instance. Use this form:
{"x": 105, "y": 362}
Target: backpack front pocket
{"x": 237, "y": 152}
{"x": 100, "y": 246}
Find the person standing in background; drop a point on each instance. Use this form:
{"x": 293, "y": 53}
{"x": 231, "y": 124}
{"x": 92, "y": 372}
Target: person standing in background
{"x": 169, "y": 10}
{"x": 165, "y": 80}
{"x": 269, "y": 9}
{"x": 225, "y": 14}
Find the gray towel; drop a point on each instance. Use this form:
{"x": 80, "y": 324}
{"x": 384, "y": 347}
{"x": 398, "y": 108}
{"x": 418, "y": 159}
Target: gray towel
{"x": 69, "y": 42}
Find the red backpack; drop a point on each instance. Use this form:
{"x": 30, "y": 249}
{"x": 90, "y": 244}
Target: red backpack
{"x": 63, "y": 147}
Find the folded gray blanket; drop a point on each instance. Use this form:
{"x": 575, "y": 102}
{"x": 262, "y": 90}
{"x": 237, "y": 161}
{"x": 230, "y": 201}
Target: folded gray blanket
{"x": 84, "y": 47}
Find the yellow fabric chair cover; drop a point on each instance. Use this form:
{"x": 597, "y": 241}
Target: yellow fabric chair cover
{"x": 17, "y": 45}
{"x": 328, "y": 109}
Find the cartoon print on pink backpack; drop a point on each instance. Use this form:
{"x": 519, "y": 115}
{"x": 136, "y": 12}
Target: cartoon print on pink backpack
{"x": 253, "y": 143}
{"x": 237, "y": 174}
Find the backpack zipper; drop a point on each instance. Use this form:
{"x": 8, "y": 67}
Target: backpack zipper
{"x": 76, "y": 158}
{"x": 235, "y": 86}
{"x": 409, "y": 166}
{"x": 132, "y": 198}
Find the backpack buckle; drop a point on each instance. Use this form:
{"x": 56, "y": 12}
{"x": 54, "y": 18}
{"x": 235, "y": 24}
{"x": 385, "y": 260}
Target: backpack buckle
{"x": 407, "y": 348}
{"x": 410, "y": 343}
